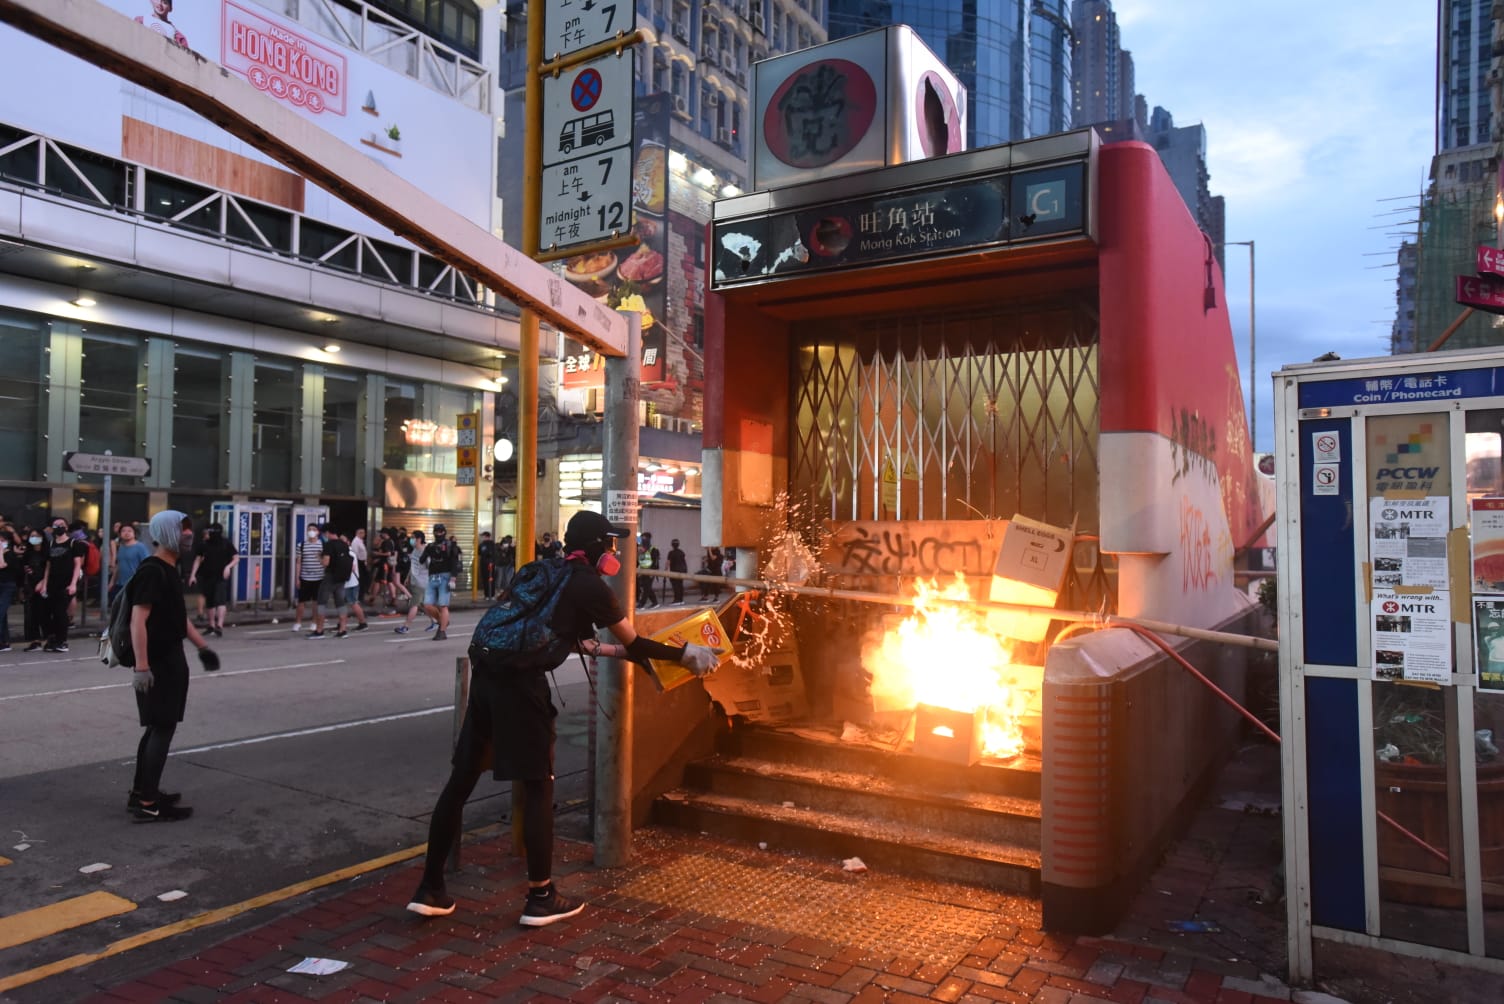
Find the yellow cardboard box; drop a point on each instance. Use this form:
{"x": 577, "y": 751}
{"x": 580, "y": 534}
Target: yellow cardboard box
{"x": 702, "y": 627}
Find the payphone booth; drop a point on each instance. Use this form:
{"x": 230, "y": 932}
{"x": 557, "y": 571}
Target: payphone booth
{"x": 265, "y": 535}
{"x": 1391, "y": 615}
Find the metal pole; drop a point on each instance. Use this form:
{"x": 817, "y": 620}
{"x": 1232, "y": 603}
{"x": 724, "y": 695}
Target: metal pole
{"x": 104, "y": 557}
{"x": 527, "y": 361}
{"x": 613, "y": 748}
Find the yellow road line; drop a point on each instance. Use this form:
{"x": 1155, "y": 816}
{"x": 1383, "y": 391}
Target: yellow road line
{"x": 204, "y": 919}
{"x": 29, "y": 925}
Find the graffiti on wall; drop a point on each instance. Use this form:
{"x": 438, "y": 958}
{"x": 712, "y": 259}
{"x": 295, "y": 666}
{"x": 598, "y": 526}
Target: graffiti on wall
{"x": 1193, "y": 444}
{"x": 1198, "y": 569}
{"x": 926, "y": 548}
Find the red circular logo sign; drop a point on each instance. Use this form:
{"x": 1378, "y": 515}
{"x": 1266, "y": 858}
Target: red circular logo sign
{"x": 935, "y": 105}
{"x": 1391, "y": 607}
{"x": 820, "y": 113}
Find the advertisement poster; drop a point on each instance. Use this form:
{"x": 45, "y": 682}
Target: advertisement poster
{"x": 1408, "y": 541}
{"x": 1487, "y": 530}
{"x": 1412, "y": 637}
{"x": 1488, "y": 639}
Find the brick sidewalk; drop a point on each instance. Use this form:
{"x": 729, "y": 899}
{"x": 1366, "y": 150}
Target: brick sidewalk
{"x": 696, "y": 918}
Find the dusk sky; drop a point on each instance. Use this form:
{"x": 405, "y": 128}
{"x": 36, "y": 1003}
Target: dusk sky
{"x": 1320, "y": 128}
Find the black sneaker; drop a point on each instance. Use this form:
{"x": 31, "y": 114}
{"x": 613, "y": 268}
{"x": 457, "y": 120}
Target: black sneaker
{"x": 361, "y": 626}
{"x": 133, "y": 800}
{"x": 34, "y": 646}
{"x": 4, "y": 648}
{"x": 431, "y": 902}
{"x": 544, "y": 910}
{"x": 440, "y": 635}
{"x": 217, "y": 632}
{"x": 56, "y": 648}
{"x": 315, "y": 634}
{"x": 341, "y": 634}
{"x": 160, "y": 812}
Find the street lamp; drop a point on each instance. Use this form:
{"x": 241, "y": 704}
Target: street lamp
{"x": 1253, "y": 387}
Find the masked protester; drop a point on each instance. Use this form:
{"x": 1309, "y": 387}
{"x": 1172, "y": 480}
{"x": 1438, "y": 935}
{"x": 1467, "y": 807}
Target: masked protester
{"x": 159, "y": 623}
{"x": 61, "y": 583}
{"x": 509, "y": 723}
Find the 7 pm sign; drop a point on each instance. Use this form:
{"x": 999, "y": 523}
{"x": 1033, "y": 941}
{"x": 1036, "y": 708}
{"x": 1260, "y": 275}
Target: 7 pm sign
{"x": 585, "y": 200}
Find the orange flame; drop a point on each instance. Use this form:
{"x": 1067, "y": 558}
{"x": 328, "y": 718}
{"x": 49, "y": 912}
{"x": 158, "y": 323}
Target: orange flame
{"x": 945, "y": 655}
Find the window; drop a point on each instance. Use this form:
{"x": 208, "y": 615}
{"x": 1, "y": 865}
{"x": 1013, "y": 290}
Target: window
{"x": 200, "y": 390}
{"x": 22, "y": 403}
{"x": 275, "y": 420}
{"x": 109, "y": 400}
{"x": 341, "y": 432}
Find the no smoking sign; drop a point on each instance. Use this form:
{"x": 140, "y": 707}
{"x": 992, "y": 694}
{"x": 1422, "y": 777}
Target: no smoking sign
{"x": 1325, "y": 478}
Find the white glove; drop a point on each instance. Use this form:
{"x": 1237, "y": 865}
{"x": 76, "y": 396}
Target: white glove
{"x": 699, "y": 659}
{"x": 142, "y": 680}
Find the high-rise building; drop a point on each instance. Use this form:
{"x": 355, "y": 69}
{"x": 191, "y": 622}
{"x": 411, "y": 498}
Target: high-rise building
{"x": 1402, "y": 334}
{"x": 1464, "y": 105}
{"x": 1102, "y": 70}
{"x": 1457, "y": 208}
{"x": 1182, "y": 149}
{"x": 1013, "y": 57}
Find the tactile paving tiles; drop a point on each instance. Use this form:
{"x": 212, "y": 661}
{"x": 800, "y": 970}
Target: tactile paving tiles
{"x": 880, "y": 921}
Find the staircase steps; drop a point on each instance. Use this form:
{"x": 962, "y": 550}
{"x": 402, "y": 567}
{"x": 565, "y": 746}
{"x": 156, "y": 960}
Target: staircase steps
{"x": 897, "y": 812}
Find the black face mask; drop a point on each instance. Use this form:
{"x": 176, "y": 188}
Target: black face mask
{"x": 60, "y": 531}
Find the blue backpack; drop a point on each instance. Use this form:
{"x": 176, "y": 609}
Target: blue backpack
{"x": 517, "y": 633}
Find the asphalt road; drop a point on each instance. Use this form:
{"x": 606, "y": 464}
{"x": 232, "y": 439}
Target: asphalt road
{"x": 300, "y": 757}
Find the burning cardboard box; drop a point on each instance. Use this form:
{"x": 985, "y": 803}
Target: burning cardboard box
{"x": 1031, "y": 567}
{"x": 947, "y": 734}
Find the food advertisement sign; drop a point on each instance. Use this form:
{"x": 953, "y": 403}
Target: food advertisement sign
{"x": 1487, "y": 531}
{"x": 612, "y": 277}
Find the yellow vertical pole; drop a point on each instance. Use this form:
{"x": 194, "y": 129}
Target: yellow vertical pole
{"x": 527, "y": 365}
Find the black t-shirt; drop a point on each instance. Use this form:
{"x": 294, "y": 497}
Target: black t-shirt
{"x": 340, "y": 561}
{"x": 60, "y": 555}
{"x": 487, "y": 550}
{"x": 15, "y": 567}
{"x": 676, "y": 561}
{"x": 217, "y": 553}
{"x": 155, "y": 584}
{"x": 588, "y": 603}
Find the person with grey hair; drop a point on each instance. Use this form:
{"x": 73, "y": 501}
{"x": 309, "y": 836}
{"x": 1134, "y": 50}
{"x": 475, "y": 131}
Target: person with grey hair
{"x": 159, "y": 623}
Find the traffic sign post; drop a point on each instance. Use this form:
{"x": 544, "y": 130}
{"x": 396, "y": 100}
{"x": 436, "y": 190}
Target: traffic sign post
{"x": 586, "y": 191}
{"x": 1481, "y": 294}
{"x": 109, "y": 465}
{"x": 572, "y": 25}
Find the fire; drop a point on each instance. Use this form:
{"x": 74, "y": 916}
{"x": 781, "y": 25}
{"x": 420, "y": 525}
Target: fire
{"x": 946, "y": 656}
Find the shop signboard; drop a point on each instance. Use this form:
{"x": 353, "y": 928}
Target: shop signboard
{"x": 1002, "y": 207}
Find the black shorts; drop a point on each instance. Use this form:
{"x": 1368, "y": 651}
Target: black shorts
{"x": 308, "y": 590}
{"x": 216, "y": 591}
{"x": 510, "y": 722}
{"x": 167, "y": 699}
{"x": 381, "y": 574}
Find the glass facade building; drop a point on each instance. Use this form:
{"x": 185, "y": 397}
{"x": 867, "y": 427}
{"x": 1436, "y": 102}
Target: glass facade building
{"x": 1013, "y": 56}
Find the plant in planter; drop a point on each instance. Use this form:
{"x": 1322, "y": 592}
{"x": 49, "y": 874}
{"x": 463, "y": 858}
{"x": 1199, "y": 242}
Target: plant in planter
{"x": 393, "y": 139}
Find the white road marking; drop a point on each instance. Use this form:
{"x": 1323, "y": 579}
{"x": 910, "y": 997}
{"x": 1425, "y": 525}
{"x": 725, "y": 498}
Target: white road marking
{"x": 445, "y": 709}
{"x": 205, "y": 676}
{"x": 98, "y": 866}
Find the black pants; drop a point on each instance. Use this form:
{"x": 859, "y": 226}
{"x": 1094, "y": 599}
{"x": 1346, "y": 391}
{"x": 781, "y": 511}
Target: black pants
{"x": 488, "y": 578}
{"x": 151, "y": 758}
{"x": 55, "y": 616}
{"x": 678, "y": 590}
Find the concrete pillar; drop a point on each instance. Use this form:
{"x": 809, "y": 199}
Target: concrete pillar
{"x": 160, "y": 378}
{"x": 64, "y": 382}
{"x": 311, "y": 437}
{"x": 370, "y": 424}
{"x": 240, "y": 430}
